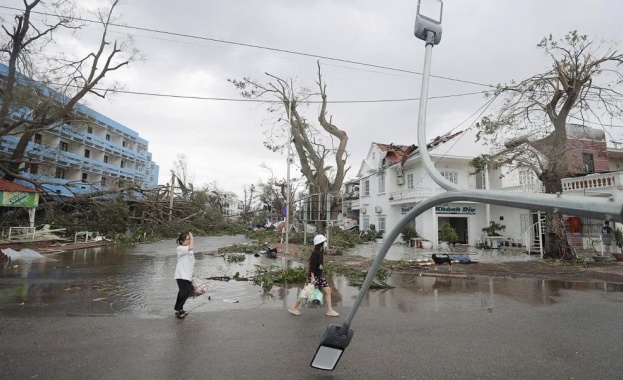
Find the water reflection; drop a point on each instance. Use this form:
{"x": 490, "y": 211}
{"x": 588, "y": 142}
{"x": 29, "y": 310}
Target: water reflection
{"x": 138, "y": 280}
{"x": 405, "y": 252}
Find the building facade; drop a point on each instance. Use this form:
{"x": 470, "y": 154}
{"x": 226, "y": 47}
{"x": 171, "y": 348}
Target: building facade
{"x": 392, "y": 180}
{"x": 91, "y": 154}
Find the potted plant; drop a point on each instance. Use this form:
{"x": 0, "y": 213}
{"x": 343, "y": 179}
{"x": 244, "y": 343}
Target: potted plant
{"x": 447, "y": 235}
{"x": 494, "y": 229}
{"x": 409, "y": 233}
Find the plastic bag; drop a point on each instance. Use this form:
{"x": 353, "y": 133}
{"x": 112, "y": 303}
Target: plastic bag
{"x": 306, "y": 293}
{"x": 199, "y": 287}
{"x": 317, "y": 297}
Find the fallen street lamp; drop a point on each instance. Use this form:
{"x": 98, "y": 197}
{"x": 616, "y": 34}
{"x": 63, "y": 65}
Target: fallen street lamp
{"x": 336, "y": 338}
{"x": 334, "y": 341}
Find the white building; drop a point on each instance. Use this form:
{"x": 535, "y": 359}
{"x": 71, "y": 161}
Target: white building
{"x": 392, "y": 180}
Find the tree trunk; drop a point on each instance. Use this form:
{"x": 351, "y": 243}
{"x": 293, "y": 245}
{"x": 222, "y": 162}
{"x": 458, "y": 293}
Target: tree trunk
{"x": 556, "y": 243}
{"x": 18, "y": 156}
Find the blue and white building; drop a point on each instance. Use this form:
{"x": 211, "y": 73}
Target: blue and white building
{"x": 94, "y": 153}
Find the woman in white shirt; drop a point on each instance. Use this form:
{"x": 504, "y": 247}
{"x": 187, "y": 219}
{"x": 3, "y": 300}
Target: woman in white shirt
{"x": 184, "y": 272}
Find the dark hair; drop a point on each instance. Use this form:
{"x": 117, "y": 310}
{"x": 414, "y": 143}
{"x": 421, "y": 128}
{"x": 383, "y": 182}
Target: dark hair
{"x": 182, "y": 237}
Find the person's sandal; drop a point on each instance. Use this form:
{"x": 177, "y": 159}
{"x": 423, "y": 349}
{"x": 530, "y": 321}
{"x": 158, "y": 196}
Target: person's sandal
{"x": 294, "y": 312}
{"x": 332, "y": 313}
{"x": 181, "y": 314}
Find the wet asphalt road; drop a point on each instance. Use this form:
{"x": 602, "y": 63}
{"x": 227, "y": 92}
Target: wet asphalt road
{"x": 428, "y": 328}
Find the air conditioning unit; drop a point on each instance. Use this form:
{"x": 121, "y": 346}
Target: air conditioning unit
{"x": 363, "y": 211}
{"x": 378, "y": 209}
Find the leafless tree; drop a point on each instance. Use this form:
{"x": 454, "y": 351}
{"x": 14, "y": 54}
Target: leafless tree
{"x": 316, "y": 148}
{"x": 529, "y": 129}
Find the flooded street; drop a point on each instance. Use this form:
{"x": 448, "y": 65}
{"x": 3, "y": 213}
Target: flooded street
{"x": 138, "y": 280}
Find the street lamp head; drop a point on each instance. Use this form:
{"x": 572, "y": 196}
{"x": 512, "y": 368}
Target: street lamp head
{"x": 429, "y": 21}
{"x": 334, "y": 341}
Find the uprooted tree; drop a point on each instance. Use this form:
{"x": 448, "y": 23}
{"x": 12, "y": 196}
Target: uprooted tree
{"x": 530, "y": 128}
{"x": 41, "y": 86}
{"x": 316, "y": 148}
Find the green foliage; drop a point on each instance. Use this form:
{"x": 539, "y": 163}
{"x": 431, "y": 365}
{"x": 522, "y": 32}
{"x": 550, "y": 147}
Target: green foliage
{"x": 480, "y": 162}
{"x": 448, "y": 234}
{"x": 409, "y": 233}
{"x": 353, "y": 273}
{"x": 236, "y": 257}
{"x": 266, "y": 277}
{"x": 493, "y": 229}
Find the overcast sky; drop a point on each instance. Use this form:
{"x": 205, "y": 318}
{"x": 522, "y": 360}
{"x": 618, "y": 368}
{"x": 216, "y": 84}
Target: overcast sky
{"x": 484, "y": 41}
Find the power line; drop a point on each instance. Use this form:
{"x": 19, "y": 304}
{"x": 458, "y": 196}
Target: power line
{"x": 258, "y": 47}
{"x": 279, "y": 101}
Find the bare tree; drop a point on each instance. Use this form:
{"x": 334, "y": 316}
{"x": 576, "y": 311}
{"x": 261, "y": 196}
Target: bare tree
{"x": 315, "y": 148}
{"x": 529, "y": 129}
{"x": 40, "y": 91}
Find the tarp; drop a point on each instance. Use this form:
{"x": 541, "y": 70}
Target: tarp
{"x": 24, "y": 254}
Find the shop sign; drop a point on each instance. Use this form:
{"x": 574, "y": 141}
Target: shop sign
{"x": 455, "y": 210}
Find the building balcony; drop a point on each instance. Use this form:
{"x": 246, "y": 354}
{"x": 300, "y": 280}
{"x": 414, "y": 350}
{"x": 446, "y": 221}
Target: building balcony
{"x": 525, "y": 188}
{"x": 415, "y": 194}
{"x": 598, "y": 181}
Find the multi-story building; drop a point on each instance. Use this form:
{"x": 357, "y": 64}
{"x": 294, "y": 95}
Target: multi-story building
{"x": 232, "y": 207}
{"x": 392, "y": 180}
{"x": 92, "y": 154}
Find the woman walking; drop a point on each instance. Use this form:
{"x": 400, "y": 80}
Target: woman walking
{"x": 184, "y": 272}
{"x": 317, "y": 278}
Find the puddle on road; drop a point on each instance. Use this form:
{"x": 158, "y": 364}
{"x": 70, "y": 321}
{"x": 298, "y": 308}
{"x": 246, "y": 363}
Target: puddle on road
{"x": 138, "y": 280}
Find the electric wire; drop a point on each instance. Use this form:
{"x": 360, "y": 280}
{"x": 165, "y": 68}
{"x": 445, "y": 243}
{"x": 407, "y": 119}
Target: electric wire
{"x": 293, "y": 52}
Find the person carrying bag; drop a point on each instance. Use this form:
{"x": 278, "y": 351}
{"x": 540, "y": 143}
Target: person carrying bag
{"x": 318, "y": 280}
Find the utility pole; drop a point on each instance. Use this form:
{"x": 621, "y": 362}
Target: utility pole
{"x": 171, "y": 188}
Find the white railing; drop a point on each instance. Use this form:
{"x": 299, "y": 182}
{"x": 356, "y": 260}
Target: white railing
{"x": 593, "y": 181}
{"x": 415, "y": 193}
{"x": 19, "y": 232}
{"x": 526, "y": 188}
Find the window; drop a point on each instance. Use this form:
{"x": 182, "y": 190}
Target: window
{"x": 410, "y": 184}
{"x": 60, "y": 173}
{"x": 451, "y": 176}
{"x": 479, "y": 179}
{"x": 366, "y": 188}
{"x": 63, "y": 146}
{"x": 87, "y": 153}
{"x": 32, "y": 168}
{"x": 90, "y": 129}
{"x": 85, "y": 177}
{"x": 382, "y": 183}
{"x": 37, "y": 138}
{"x": 526, "y": 177}
{"x": 588, "y": 163}
{"x": 591, "y": 227}
{"x": 381, "y": 224}
{"x": 124, "y": 143}
{"x": 105, "y": 159}
{"x": 103, "y": 181}
{"x": 122, "y": 164}
{"x": 107, "y": 137}
{"x": 365, "y": 223}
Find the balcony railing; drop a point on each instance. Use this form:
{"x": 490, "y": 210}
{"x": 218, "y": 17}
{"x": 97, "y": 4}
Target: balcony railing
{"x": 593, "y": 181}
{"x": 415, "y": 193}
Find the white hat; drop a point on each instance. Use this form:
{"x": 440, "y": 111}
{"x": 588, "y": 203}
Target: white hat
{"x": 319, "y": 239}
